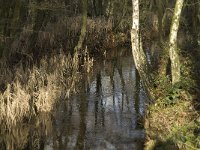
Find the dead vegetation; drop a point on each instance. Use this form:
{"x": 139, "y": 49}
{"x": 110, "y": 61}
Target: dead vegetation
{"x": 173, "y": 121}
{"x": 27, "y": 135}
{"x": 40, "y": 68}
{"x": 26, "y": 92}
{"x": 173, "y": 127}
{"x": 64, "y": 33}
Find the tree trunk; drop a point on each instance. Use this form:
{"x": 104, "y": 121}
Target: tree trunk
{"x": 94, "y": 7}
{"x": 84, "y": 26}
{"x": 110, "y": 8}
{"x": 173, "y": 52}
{"x": 100, "y": 7}
{"x": 120, "y": 20}
{"x": 137, "y": 51}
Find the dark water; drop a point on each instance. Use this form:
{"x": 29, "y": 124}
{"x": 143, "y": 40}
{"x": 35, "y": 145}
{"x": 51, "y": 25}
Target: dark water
{"x": 107, "y": 111}
{"x": 105, "y": 114}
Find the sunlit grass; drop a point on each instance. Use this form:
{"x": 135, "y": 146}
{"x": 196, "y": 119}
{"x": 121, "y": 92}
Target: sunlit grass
{"x": 20, "y": 138}
{"x": 30, "y": 91}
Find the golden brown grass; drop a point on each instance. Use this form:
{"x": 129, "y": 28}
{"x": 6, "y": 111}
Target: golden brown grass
{"x": 27, "y": 135}
{"x": 30, "y": 91}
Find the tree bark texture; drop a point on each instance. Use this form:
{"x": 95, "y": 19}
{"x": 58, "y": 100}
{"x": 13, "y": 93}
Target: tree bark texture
{"x": 173, "y": 52}
{"x": 84, "y": 26}
{"x": 137, "y": 51}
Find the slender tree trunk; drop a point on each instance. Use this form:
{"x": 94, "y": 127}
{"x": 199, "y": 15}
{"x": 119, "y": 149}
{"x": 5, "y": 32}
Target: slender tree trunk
{"x": 173, "y": 53}
{"x": 94, "y": 7}
{"x": 137, "y": 51}
{"x": 100, "y": 7}
{"x": 110, "y": 8}
{"x": 124, "y": 10}
{"x": 84, "y": 26}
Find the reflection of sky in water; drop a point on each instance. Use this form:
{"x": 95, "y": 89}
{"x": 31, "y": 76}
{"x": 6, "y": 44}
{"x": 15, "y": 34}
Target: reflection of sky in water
{"x": 115, "y": 116}
{"x": 105, "y": 117}
{"x": 119, "y": 92}
{"x": 111, "y": 115}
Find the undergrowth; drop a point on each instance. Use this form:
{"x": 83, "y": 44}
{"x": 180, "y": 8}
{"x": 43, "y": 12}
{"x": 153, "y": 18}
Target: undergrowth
{"x": 173, "y": 127}
{"x": 172, "y": 122}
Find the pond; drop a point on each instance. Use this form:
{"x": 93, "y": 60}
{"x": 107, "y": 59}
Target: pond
{"x": 106, "y": 113}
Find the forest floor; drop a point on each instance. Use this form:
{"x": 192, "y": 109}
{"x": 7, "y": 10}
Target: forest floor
{"x": 173, "y": 121}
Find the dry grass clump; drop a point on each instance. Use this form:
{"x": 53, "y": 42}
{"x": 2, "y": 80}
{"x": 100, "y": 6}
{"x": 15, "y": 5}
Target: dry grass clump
{"x": 26, "y": 135}
{"x": 26, "y": 92}
{"x": 14, "y": 103}
{"x": 14, "y": 139}
{"x": 173, "y": 126}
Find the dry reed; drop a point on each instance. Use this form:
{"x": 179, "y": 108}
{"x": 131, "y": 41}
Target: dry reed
{"x": 30, "y": 91}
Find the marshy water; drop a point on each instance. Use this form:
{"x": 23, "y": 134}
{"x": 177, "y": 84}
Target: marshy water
{"x": 106, "y": 113}
{"x": 108, "y": 108}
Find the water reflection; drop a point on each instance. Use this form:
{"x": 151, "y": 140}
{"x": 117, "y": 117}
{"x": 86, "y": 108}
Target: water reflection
{"x": 103, "y": 115}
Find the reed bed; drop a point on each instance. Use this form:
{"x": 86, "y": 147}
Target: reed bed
{"x": 26, "y": 92}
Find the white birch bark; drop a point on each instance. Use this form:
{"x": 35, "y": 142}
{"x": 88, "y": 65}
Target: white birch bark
{"x": 173, "y": 54}
{"x": 137, "y": 51}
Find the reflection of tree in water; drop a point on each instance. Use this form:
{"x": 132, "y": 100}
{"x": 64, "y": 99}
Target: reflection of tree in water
{"x": 99, "y": 100}
{"x": 124, "y": 91}
{"x": 83, "y": 108}
{"x": 137, "y": 97}
{"x": 62, "y": 126}
{"x": 108, "y": 108}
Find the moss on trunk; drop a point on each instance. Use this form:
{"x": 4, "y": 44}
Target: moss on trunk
{"x": 173, "y": 53}
{"x": 84, "y": 26}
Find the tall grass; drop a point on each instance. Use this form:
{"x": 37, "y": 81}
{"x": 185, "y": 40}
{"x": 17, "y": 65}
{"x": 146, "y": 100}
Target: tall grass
{"x": 27, "y": 136}
{"x": 26, "y": 92}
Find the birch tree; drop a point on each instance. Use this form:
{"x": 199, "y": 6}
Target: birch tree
{"x": 137, "y": 51}
{"x": 173, "y": 53}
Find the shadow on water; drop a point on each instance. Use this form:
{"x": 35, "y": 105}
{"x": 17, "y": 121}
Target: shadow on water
{"x": 104, "y": 114}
